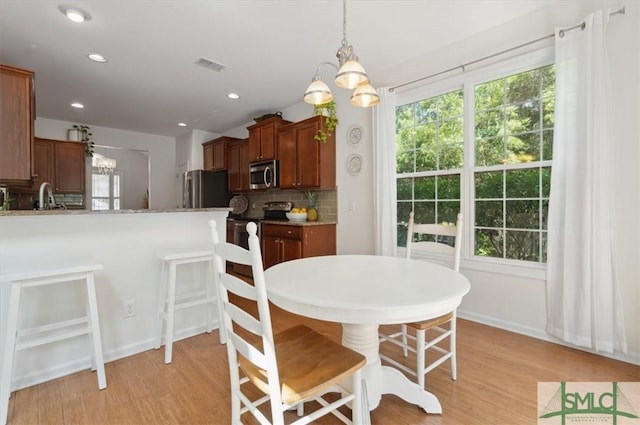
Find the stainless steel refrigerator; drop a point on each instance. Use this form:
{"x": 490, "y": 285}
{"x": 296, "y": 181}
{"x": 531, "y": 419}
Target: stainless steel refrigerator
{"x": 205, "y": 189}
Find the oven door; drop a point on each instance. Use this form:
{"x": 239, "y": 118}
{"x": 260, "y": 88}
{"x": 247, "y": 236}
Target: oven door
{"x": 241, "y": 238}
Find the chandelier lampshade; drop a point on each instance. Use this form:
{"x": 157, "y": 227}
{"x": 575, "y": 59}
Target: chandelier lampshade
{"x": 318, "y": 92}
{"x": 365, "y": 96}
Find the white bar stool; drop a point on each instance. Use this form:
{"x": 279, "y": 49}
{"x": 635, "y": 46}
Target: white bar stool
{"x": 32, "y": 337}
{"x": 169, "y": 304}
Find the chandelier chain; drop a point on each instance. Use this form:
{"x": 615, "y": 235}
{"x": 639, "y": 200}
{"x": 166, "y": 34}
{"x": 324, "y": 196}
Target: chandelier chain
{"x": 344, "y": 22}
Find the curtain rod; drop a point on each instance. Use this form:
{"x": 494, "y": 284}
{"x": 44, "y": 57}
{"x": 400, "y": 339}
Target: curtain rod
{"x": 560, "y": 33}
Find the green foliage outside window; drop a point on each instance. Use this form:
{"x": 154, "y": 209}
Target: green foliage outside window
{"x": 513, "y": 137}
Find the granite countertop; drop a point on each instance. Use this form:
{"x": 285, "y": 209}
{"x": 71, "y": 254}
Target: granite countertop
{"x": 106, "y": 212}
{"x": 297, "y": 223}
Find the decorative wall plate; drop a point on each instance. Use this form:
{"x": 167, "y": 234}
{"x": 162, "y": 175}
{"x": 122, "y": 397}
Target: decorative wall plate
{"x": 354, "y": 135}
{"x": 354, "y": 164}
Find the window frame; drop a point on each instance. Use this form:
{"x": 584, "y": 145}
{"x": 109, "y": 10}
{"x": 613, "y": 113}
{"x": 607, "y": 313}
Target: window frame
{"x": 467, "y": 82}
{"x": 111, "y": 198}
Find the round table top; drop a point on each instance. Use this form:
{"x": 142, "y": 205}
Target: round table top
{"x": 365, "y": 289}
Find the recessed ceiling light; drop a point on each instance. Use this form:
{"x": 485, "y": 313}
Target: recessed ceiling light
{"x": 233, "y": 96}
{"x": 97, "y": 57}
{"x": 74, "y": 13}
{"x": 181, "y": 124}
{"x": 77, "y": 105}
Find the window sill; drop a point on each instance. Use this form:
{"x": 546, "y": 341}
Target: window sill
{"x": 487, "y": 265}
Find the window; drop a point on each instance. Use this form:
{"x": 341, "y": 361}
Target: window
{"x": 105, "y": 191}
{"x": 483, "y": 148}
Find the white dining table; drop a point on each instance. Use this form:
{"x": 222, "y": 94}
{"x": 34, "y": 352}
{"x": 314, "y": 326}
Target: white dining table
{"x": 362, "y": 292}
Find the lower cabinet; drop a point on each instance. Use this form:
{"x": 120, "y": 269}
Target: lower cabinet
{"x": 282, "y": 242}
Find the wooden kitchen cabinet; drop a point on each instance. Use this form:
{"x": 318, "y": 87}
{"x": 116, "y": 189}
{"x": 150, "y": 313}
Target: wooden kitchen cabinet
{"x": 60, "y": 163}
{"x": 17, "y": 111}
{"x": 262, "y": 139}
{"x": 238, "y": 166}
{"x": 283, "y": 242}
{"x": 69, "y": 167}
{"x": 214, "y": 153}
{"x": 305, "y": 162}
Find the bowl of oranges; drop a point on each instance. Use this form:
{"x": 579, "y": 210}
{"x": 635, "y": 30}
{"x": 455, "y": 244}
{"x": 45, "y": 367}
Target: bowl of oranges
{"x": 297, "y": 214}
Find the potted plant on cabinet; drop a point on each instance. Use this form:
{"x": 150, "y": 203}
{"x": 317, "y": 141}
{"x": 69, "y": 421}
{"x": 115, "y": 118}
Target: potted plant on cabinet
{"x": 82, "y": 133}
{"x": 329, "y": 111}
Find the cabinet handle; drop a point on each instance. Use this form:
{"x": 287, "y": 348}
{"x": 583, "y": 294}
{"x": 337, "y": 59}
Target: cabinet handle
{"x": 289, "y": 232}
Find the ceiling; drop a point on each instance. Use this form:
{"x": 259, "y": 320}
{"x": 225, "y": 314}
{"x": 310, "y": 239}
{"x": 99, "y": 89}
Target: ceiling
{"x": 270, "y": 49}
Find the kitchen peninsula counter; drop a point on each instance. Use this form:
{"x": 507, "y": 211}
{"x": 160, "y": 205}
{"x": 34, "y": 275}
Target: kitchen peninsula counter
{"x": 129, "y": 245}
{"x": 22, "y": 213}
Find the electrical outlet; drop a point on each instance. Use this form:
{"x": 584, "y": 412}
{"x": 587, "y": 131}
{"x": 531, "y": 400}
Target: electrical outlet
{"x": 130, "y": 308}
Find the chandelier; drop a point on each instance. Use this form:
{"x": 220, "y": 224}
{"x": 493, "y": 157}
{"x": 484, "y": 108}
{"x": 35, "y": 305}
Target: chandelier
{"x": 350, "y": 75}
{"x": 103, "y": 164}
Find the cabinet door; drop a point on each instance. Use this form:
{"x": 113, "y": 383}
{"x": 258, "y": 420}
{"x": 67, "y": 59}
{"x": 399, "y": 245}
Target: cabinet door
{"x": 255, "y": 150}
{"x": 291, "y": 249}
{"x": 207, "y": 157}
{"x": 69, "y": 167}
{"x": 219, "y": 155}
{"x": 16, "y": 124}
{"x": 42, "y": 163}
{"x": 287, "y": 155}
{"x": 308, "y": 155}
{"x": 244, "y": 166}
{"x": 271, "y": 251}
{"x": 233, "y": 163}
{"x": 268, "y": 141}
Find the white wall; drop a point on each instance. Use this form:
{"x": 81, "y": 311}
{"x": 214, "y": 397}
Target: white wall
{"x": 189, "y": 148}
{"x": 161, "y": 154}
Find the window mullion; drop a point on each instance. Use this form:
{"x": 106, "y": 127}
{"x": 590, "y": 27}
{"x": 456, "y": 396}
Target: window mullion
{"x": 467, "y": 192}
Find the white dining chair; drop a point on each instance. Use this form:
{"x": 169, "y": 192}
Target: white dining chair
{"x": 442, "y": 240}
{"x": 290, "y": 367}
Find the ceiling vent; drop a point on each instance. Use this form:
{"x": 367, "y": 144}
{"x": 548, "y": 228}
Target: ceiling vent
{"x": 209, "y": 64}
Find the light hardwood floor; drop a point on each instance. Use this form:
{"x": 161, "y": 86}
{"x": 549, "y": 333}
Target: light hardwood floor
{"x": 498, "y": 373}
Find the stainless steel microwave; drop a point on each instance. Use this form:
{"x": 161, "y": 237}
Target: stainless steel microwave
{"x": 263, "y": 175}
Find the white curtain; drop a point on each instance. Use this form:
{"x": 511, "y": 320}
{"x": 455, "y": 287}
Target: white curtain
{"x": 583, "y": 301}
{"x": 384, "y": 174}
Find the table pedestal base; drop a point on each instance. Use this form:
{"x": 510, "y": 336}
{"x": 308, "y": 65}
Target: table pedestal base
{"x": 380, "y": 379}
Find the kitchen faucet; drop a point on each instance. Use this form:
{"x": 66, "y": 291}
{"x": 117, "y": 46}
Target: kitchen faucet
{"x": 50, "y": 200}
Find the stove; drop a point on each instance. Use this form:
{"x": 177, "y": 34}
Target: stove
{"x": 272, "y": 211}
{"x": 276, "y": 210}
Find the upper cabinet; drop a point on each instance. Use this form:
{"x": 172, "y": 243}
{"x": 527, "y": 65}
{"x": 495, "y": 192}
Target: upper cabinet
{"x": 262, "y": 139}
{"x": 60, "y": 163}
{"x": 17, "y": 110}
{"x": 215, "y": 153}
{"x": 238, "y": 166}
{"x": 305, "y": 162}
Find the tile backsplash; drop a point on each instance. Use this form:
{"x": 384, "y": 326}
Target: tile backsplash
{"x": 326, "y": 202}
{"x": 28, "y": 200}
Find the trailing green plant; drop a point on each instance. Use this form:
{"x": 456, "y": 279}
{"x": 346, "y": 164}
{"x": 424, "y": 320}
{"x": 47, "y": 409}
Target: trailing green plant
{"x": 329, "y": 111}
{"x": 85, "y": 136}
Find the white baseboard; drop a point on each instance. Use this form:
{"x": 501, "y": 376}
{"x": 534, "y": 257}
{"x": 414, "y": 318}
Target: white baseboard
{"x": 633, "y": 358}
{"x": 84, "y": 363}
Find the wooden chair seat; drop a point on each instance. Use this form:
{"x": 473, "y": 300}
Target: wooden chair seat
{"x": 308, "y": 362}
{"x": 428, "y": 324}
